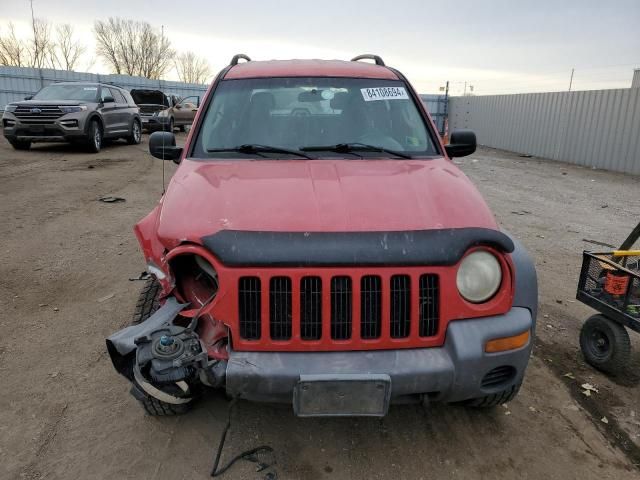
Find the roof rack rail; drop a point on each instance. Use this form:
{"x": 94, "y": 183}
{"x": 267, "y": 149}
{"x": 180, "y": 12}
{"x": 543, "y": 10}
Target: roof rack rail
{"x": 234, "y": 60}
{"x": 368, "y": 56}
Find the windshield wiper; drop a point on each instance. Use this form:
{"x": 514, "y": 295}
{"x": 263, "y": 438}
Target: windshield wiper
{"x": 258, "y": 149}
{"x": 353, "y": 147}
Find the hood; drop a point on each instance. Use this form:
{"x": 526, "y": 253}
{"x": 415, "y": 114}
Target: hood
{"x": 149, "y": 97}
{"x": 28, "y": 103}
{"x": 205, "y": 197}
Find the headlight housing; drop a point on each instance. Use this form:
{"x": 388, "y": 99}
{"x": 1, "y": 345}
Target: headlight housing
{"x": 479, "y": 276}
{"x": 72, "y": 108}
{"x": 10, "y": 108}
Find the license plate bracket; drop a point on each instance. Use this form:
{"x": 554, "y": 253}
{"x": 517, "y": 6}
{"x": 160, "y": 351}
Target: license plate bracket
{"x": 342, "y": 395}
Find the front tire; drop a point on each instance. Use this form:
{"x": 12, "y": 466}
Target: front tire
{"x": 94, "y": 137}
{"x": 136, "y": 133}
{"x": 148, "y": 303}
{"x": 20, "y": 144}
{"x": 605, "y": 344}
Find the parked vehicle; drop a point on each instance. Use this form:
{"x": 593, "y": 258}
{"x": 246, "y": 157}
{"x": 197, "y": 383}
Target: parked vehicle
{"x": 317, "y": 246}
{"x": 162, "y": 111}
{"x": 75, "y": 112}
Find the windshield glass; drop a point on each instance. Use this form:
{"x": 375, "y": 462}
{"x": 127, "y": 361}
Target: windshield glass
{"x": 298, "y": 113}
{"x": 87, "y": 93}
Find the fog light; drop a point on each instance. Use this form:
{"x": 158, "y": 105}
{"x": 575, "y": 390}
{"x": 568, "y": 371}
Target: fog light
{"x": 507, "y": 343}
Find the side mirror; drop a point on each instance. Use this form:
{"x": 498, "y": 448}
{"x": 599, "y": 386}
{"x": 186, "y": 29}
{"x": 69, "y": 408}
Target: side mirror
{"x": 162, "y": 145}
{"x": 461, "y": 143}
{"x": 108, "y": 100}
{"x": 178, "y": 106}
{"x": 28, "y": 97}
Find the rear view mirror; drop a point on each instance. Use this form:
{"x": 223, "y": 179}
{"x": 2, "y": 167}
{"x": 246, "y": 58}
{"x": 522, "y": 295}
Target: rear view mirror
{"x": 461, "y": 143}
{"x": 162, "y": 145}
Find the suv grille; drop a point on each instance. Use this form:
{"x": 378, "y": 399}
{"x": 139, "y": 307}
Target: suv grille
{"x": 387, "y": 307}
{"x": 37, "y": 114}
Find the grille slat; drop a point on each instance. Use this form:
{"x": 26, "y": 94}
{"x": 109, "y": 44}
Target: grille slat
{"x": 429, "y": 305}
{"x": 400, "y": 306}
{"x": 311, "y": 308}
{"x": 249, "y": 307}
{"x": 341, "y": 291}
{"x": 370, "y": 307}
{"x": 280, "y": 308}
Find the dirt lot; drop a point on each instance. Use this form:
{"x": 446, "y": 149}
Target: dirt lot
{"x": 64, "y": 286}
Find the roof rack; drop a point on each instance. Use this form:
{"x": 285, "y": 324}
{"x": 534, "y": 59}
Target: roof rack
{"x": 234, "y": 60}
{"x": 368, "y": 56}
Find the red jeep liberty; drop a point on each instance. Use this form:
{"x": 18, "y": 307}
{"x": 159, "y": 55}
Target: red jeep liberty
{"x": 317, "y": 246}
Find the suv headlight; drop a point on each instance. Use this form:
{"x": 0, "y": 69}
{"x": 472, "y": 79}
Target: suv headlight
{"x": 10, "y": 108}
{"x": 479, "y": 276}
{"x": 72, "y": 108}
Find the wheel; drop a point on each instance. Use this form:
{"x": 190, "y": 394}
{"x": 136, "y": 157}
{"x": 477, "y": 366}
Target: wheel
{"x": 495, "y": 399}
{"x": 136, "y": 133}
{"x": 20, "y": 144}
{"x": 148, "y": 303}
{"x": 605, "y": 344}
{"x": 169, "y": 128}
{"x": 181, "y": 128}
{"x": 94, "y": 137}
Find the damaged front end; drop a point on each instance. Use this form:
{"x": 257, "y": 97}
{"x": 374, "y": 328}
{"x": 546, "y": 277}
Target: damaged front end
{"x": 179, "y": 348}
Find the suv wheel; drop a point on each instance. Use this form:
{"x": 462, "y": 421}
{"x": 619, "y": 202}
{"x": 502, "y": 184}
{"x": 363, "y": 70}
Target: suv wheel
{"x": 148, "y": 303}
{"x": 136, "y": 133}
{"x": 94, "y": 137}
{"x": 20, "y": 144}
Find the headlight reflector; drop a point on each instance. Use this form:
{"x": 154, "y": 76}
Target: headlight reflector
{"x": 479, "y": 276}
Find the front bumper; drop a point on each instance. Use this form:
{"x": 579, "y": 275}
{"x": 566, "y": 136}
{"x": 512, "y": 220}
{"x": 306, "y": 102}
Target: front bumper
{"x": 452, "y": 373}
{"x": 150, "y": 122}
{"x": 66, "y": 128}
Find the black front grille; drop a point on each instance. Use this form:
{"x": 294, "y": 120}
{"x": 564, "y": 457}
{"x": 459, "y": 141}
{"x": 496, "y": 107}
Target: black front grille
{"x": 311, "y": 308}
{"x": 429, "y": 305}
{"x": 249, "y": 300}
{"x": 38, "y": 114}
{"x": 370, "y": 307}
{"x": 341, "y": 308}
{"x": 498, "y": 376}
{"x": 280, "y": 308}
{"x": 400, "y": 306}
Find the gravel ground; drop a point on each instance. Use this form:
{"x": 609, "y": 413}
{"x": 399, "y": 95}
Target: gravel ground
{"x": 64, "y": 286}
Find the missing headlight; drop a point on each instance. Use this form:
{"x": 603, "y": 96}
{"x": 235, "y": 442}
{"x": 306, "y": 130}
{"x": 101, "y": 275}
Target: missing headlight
{"x": 195, "y": 278}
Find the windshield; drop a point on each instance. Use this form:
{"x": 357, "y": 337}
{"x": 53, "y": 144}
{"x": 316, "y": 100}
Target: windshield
{"x": 299, "y": 113}
{"x": 87, "y": 93}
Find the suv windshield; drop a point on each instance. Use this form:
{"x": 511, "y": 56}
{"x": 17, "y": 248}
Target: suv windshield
{"x": 308, "y": 114}
{"x": 87, "y": 93}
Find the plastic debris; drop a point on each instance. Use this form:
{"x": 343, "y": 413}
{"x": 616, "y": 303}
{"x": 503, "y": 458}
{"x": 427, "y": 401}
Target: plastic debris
{"x": 569, "y": 375}
{"x": 604, "y": 420}
{"x": 589, "y": 387}
{"x": 110, "y": 199}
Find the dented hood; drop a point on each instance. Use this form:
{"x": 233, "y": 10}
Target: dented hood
{"x": 205, "y": 197}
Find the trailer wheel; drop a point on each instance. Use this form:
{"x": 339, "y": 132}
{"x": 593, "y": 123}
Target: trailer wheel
{"x": 605, "y": 344}
{"x": 147, "y": 304}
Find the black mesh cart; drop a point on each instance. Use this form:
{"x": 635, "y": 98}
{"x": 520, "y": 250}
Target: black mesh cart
{"x": 610, "y": 283}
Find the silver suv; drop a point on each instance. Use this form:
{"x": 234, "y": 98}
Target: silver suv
{"x": 85, "y": 113}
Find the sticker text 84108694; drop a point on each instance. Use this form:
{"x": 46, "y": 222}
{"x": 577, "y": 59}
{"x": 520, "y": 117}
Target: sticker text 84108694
{"x": 384, "y": 93}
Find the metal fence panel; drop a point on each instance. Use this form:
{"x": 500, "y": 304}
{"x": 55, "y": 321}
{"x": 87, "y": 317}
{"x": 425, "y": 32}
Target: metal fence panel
{"x": 18, "y": 82}
{"x": 599, "y": 128}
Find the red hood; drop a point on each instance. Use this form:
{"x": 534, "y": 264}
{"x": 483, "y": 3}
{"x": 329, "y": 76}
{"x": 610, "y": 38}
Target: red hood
{"x": 318, "y": 196}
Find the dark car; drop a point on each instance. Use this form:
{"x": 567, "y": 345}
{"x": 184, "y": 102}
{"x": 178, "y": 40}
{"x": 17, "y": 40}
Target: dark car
{"x": 85, "y": 113}
{"x": 164, "y": 111}
{"x": 317, "y": 246}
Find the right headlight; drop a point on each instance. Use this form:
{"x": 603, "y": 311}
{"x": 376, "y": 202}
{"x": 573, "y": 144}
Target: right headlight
{"x": 479, "y": 276}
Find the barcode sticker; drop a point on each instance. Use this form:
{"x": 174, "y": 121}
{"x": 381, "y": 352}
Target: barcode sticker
{"x": 384, "y": 93}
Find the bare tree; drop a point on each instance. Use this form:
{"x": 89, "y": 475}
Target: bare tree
{"x": 67, "y": 51}
{"x": 191, "y": 68}
{"x": 133, "y": 48}
{"x": 13, "y": 52}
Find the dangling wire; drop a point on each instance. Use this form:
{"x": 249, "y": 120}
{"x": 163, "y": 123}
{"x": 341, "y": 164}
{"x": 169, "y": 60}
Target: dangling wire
{"x": 249, "y": 455}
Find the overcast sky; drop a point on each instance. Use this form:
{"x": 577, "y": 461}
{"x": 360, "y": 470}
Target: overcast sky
{"x": 498, "y": 46}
